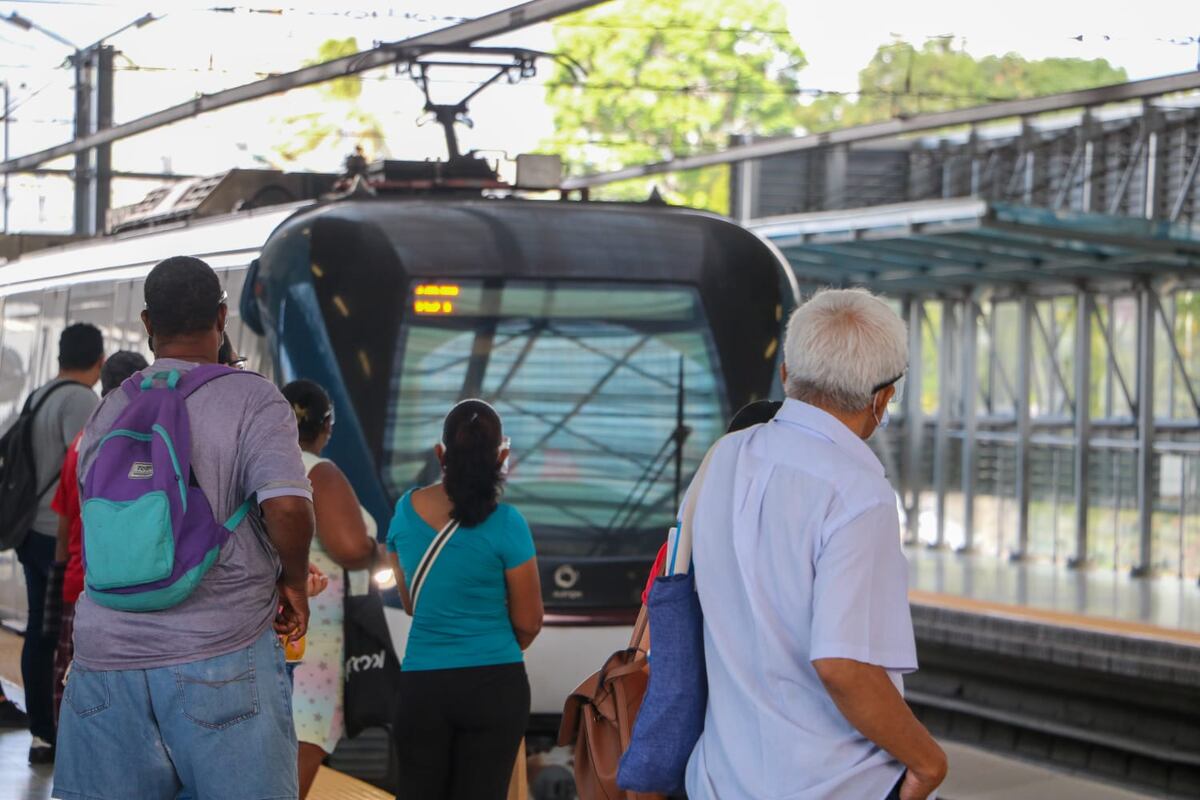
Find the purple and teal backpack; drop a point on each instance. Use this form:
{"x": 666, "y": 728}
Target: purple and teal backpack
{"x": 149, "y": 534}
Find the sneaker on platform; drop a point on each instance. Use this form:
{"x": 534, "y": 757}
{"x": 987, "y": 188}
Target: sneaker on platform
{"x": 41, "y": 752}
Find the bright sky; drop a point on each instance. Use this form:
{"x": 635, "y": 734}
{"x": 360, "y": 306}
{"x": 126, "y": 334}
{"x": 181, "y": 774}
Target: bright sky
{"x": 196, "y": 49}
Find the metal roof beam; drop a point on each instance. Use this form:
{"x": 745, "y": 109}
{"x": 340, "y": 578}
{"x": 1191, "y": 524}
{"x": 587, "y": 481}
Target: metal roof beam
{"x": 860, "y": 253}
{"x": 810, "y": 266}
{"x": 1029, "y": 248}
{"x": 1143, "y": 243}
{"x": 930, "y": 255}
{"x": 1133, "y": 90}
{"x": 504, "y": 21}
{"x": 1021, "y": 272}
{"x": 939, "y": 247}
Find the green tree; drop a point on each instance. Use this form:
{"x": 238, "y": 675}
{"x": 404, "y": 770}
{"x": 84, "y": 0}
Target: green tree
{"x": 903, "y": 80}
{"x": 314, "y": 139}
{"x": 668, "y": 79}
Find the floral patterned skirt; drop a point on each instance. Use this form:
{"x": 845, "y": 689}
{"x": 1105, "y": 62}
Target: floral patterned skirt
{"x": 317, "y": 693}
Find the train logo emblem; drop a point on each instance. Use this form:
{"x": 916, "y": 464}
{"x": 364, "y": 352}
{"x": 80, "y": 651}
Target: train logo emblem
{"x": 565, "y": 577}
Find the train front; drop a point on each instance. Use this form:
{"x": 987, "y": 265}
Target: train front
{"x": 614, "y": 340}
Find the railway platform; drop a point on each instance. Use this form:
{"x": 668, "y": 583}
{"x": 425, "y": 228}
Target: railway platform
{"x": 976, "y": 773}
{"x": 1086, "y": 670}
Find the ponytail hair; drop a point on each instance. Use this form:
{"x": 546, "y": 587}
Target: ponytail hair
{"x": 311, "y": 405}
{"x": 472, "y": 436}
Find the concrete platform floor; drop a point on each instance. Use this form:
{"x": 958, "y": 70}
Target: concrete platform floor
{"x": 20, "y": 781}
{"x": 1167, "y": 603}
{"x": 974, "y": 775}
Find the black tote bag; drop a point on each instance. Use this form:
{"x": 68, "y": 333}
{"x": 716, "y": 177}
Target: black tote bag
{"x": 372, "y": 668}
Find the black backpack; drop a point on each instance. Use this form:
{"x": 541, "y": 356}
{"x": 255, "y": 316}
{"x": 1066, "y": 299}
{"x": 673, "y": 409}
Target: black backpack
{"x": 19, "y": 492}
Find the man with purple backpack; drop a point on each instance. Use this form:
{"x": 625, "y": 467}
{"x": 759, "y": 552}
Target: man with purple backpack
{"x": 197, "y": 517}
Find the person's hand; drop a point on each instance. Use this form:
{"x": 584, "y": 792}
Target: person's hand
{"x": 292, "y": 619}
{"x": 317, "y": 580}
{"x": 919, "y": 784}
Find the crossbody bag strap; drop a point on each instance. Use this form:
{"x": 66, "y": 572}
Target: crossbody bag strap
{"x": 682, "y": 551}
{"x": 431, "y": 555}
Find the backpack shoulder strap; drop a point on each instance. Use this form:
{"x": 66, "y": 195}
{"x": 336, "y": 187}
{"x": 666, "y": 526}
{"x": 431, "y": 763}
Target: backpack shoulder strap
{"x": 54, "y": 387}
{"x": 427, "y": 561}
{"x": 199, "y": 376}
{"x": 28, "y": 432}
{"x": 185, "y": 382}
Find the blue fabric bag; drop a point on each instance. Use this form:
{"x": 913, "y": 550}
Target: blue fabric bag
{"x": 671, "y": 718}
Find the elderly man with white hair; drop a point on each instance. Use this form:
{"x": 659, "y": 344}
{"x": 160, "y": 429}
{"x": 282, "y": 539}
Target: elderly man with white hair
{"x": 804, "y": 585}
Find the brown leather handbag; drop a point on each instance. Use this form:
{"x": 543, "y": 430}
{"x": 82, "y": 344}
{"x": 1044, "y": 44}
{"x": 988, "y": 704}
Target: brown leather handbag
{"x": 598, "y": 720}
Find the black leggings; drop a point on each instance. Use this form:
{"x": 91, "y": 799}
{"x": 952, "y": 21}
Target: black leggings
{"x": 458, "y": 731}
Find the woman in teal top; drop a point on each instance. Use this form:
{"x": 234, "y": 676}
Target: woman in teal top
{"x": 464, "y": 695}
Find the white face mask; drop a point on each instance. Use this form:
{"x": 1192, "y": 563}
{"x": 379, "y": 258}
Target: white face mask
{"x": 884, "y": 420}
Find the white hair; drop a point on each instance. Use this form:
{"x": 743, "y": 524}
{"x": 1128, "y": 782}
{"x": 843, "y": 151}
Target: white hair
{"x": 841, "y": 344}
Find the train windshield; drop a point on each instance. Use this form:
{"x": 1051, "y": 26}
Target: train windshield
{"x": 609, "y": 393}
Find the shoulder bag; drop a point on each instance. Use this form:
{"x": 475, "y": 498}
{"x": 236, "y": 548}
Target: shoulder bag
{"x": 671, "y": 717}
{"x": 602, "y": 718}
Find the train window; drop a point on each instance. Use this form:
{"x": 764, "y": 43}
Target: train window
{"x": 93, "y": 302}
{"x": 127, "y": 322}
{"x": 21, "y": 315}
{"x": 232, "y": 280}
{"x": 53, "y": 320}
{"x": 130, "y": 333}
{"x": 588, "y": 380}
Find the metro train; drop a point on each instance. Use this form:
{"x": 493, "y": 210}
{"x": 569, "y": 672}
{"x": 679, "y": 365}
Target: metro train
{"x": 615, "y": 339}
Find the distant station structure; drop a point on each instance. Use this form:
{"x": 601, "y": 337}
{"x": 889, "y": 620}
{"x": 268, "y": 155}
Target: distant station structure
{"x": 1047, "y": 258}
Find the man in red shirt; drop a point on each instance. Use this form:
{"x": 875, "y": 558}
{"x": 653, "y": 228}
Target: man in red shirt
{"x": 68, "y": 554}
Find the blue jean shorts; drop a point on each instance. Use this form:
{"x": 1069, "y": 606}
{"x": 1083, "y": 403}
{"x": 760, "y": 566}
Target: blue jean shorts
{"x": 219, "y": 728}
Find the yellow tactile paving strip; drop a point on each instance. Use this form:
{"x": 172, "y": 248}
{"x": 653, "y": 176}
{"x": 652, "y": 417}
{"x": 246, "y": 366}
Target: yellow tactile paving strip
{"x": 1117, "y": 627}
{"x": 333, "y": 785}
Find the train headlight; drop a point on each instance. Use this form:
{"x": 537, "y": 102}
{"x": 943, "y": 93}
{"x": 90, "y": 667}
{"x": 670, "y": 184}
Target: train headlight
{"x": 385, "y": 578}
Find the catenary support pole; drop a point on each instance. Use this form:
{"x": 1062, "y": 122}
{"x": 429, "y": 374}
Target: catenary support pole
{"x": 970, "y": 403}
{"x": 1084, "y": 309}
{"x": 914, "y": 423}
{"x": 1145, "y": 423}
{"x": 1024, "y": 375}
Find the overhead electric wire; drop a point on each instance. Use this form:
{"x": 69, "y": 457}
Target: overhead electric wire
{"x": 16, "y": 105}
{"x": 685, "y": 89}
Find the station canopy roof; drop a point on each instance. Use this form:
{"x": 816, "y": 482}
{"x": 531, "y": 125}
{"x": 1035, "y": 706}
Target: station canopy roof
{"x": 954, "y": 245}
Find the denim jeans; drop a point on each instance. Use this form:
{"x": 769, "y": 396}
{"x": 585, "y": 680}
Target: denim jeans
{"x": 36, "y": 554}
{"x": 219, "y": 728}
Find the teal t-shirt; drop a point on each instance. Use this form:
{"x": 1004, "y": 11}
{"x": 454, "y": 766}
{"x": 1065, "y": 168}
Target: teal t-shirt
{"x": 463, "y": 617}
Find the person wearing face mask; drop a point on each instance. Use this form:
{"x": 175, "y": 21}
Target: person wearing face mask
{"x": 803, "y": 583}
{"x": 467, "y": 573}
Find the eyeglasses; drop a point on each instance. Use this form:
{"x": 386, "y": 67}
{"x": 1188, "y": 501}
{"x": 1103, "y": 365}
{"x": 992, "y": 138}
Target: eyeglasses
{"x": 898, "y": 382}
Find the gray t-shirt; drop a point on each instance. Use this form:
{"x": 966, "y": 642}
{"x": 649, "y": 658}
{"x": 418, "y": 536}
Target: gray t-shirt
{"x": 56, "y": 425}
{"x": 244, "y": 443}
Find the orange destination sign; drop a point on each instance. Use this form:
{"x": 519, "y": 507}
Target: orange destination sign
{"x": 435, "y": 298}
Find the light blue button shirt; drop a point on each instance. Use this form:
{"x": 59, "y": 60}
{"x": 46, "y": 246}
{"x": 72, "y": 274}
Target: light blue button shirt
{"x": 797, "y": 557}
